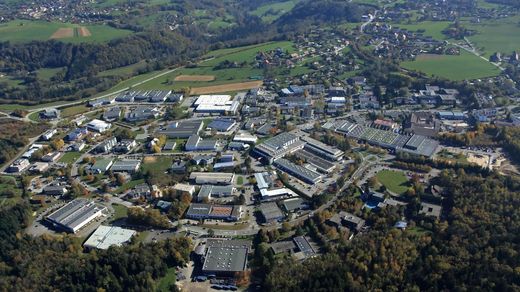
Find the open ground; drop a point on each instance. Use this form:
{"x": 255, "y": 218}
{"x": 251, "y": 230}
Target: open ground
{"x": 195, "y": 78}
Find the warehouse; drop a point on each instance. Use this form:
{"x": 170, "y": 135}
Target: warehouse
{"x": 302, "y": 173}
{"x": 279, "y": 146}
{"x": 107, "y": 236}
{"x": 294, "y": 204}
{"x": 207, "y": 192}
{"x": 218, "y": 212}
{"x": 216, "y": 104}
{"x": 196, "y": 143}
{"x": 212, "y": 178}
{"x": 276, "y": 194}
{"x": 76, "y": 214}
{"x": 271, "y": 213}
{"x": 222, "y": 125}
{"x": 182, "y": 130}
{"x": 129, "y": 166}
{"x": 322, "y": 149}
{"x": 245, "y": 138}
{"x": 225, "y": 257}
{"x": 98, "y": 126}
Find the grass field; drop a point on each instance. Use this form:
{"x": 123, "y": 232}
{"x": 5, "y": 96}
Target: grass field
{"x": 129, "y": 185}
{"x": 394, "y": 181}
{"x": 501, "y": 35}
{"x": 273, "y": 11}
{"x": 30, "y": 30}
{"x": 161, "y": 164}
{"x": 461, "y": 67}
{"x": 226, "y": 87}
{"x": 427, "y": 28}
{"x": 70, "y": 157}
{"x": 74, "y": 110}
{"x": 222, "y": 76}
{"x": 120, "y": 211}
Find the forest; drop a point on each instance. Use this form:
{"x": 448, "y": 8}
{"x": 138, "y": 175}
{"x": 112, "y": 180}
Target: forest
{"x": 475, "y": 247}
{"x": 49, "y": 263}
{"x": 14, "y": 135}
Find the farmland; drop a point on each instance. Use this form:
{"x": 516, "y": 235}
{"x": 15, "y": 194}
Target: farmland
{"x": 271, "y": 12}
{"x": 427, "y": 28}
{"x": 461, "y": 67}
{"x": 27, "y": 30}
{"x": 499, "y": 35}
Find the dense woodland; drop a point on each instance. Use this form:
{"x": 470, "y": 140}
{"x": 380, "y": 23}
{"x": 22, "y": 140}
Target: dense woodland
{"x": 474, "y": 247}
{"x": 49, "y": 263}
{"x": 14, "y": 135}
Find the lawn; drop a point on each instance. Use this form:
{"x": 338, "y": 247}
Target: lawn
{"x": 465, "y": 66}
{"x": 120, "y": 211}
{"x": 160, "y": 164}
{"x": 48, "y": 73}
{"x": 501, "y": 35}
{"x": 129, "y": 185}
{"x": 394, "y": 181}
{"x": 74, "y": 110}
{"x": 29, "y": 30}
{"x": 167, "y": 281}
{"x": 240, "y": 180}
{"x": 70, "y": 157}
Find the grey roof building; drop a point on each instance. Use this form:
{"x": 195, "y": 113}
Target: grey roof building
{"x": 225, "y": 256}
{"x": 129, "y": 166}
{"x": 183, "y": 129}
{"x": 270, "y": 212}
{"x": 142, "y": 113}
{"x": 112, "y": 114}
{"x": 196, "y": 143}
{"x": 300, "y": 172}
{"x": 430, "y": 210}
{"x": 76, "y": 214}
{"x": 279, "y": 146}
{"x": 211, "y": 191}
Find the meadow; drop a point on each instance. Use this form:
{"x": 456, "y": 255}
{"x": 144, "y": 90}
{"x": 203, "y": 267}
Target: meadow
{"x": 501, "y": 35}
{"x": 19, "y": 31}
{"x": 453, "y": 67}
{"x": 394, "y": 181}
{"x": 427, "y": 28}
{"x": 272, "y": 11}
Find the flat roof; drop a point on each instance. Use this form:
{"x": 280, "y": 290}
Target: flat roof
{"x": 124, "y": 165}
{"x": 226, "y": 255}
{"x": 76, "y": 213}
{"x": 270, "y": 211}
{"x": 297, "y": 170}
{"x": 107, "y": 236}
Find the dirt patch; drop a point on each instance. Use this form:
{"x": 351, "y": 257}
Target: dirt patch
{"x": 226, "y": 87}
{"x": 429, "y": 57}
{"x": 84, "y": 32}
{"x": 62, "y": 33}
{"x": 150, "y": 159}
{"x": 195, "y": 78}
{"x": 481, "y": 160}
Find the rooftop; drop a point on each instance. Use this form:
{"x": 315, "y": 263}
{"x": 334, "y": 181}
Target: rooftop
{"x": 107, "y": 236}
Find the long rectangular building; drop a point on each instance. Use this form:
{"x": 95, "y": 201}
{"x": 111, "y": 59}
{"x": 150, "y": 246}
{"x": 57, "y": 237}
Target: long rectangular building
{"x": 216, "y": 178}
{"x": 279, "y": 146}
{"x": 76, "y": 214}
{"x": 219, "y": 212}
{"x": 321, "y": 149}
{"x": 300, "y": 172}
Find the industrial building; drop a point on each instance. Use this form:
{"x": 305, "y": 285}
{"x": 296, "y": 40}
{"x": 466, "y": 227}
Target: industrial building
{"x": 196, "y": 143}
{"x": 321, "y": 149}
{"x": 279, "y": 146}
{"x": 98, "y": 126}
{"x": 216, "y": 104}
{"x": 107, "y": 236}
{"x": 276, "y": 194}
{"x": 212, "y": 178}
{"x": 300, "y": 172}
{"x": 294, "y": 204}
{"x": 222, "y": 125}
{"x": 218, "y": 212}
{"x": 76, "y": 214}
{"x": 129, "y": 166}
{"x": 225, "y": 257}
{"x": 245, "y": 138}
{"x": 207, "y": 192}
{"x": 270, "y": 212}
{"x": 18, "y": 165}
{"x": 182, "y": 130}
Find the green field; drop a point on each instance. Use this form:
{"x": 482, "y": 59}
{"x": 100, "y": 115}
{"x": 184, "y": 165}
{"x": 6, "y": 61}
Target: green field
{"x": 501, "y": 35}
{"x": 120, "y": 211}
{"x": 160, "y": 164}
{"x": 461, "y": 67}
{"x": 31, "y": 30}
{"x": 167, "y": 281}
{"x": 70, "y": 157}
{"x": 273, "y": 11}
{"x": 222, "y": 76}
{"x": 427, "y": 28}
{"x": 394, "y": 181}
{"x": 74, "y": 110}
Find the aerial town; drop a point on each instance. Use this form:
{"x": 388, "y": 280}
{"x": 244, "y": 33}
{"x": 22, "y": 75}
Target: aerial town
{"x": 296, "y": 145}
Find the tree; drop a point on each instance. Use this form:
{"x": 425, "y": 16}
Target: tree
{"x": 211, "y": 232}
{"x": 57, "y": 144}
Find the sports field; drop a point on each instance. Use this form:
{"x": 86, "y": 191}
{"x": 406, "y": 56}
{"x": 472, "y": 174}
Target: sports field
{"x": 38, "y": 30}
{"x": 461, "y": 67}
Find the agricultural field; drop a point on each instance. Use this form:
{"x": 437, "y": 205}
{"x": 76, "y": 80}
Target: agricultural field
{"x": 427, "y": 28}
{"x": 230, "y": 87}
{"x": 239, "y": 78}
{"x": 273, "y": 11}
{"x": 70, "y": 157}
{"x": 501, "y": 35}
{"x": 30, "y": 30}
{"x": 394, "y": 181}
{"x": 461, "y": 67}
